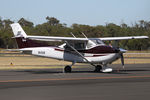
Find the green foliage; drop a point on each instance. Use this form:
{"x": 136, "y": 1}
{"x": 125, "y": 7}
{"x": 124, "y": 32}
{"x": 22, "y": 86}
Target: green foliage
{"x": 53, "y": 27}
{"x": 23, "y": 22}
{"x": 52, "y": 21}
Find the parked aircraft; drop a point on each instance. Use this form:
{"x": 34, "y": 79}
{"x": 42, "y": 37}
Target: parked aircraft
{"x": 76, "y": 50}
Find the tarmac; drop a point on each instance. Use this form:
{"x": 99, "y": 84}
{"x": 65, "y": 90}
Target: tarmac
{"x": 131, "y": 83}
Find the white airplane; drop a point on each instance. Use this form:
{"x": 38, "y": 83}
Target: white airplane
{"x": 75, "y": 50}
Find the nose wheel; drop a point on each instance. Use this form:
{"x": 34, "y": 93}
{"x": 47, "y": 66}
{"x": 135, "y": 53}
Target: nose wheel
{"x": 104, "y": 69}
{"x": 67, "y": 69}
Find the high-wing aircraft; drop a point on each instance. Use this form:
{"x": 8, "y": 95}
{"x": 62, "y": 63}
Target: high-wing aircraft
{"x": 73, "y": 49}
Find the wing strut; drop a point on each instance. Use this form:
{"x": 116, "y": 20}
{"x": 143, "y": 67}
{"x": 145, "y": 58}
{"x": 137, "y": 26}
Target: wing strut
{"x": 79, "y": 53}
{"x": 73, "y": 35}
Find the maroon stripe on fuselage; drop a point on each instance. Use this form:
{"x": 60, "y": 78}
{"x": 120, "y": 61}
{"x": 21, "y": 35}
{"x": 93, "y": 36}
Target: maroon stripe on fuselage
{"x": 96, "y": 50}
{"x": 99, "y": 55}
{"x": 59, "y": 49}
{"x": 26, "y": 43}
{"x": 96, "y": 56}
{"x": 85, "y": 56}
{"x": 100, "y": 49}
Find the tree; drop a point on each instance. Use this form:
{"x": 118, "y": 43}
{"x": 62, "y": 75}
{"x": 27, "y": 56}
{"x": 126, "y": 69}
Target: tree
{"x": 23, "y": 22}
{"x": 123, "y": 25}
{"x": 113, "y": 30}
{"x": 54, "y": 28}
{"x": 6, "y": 23}
{"x": 1, "y": 23}
{"x": 52, "y": 21}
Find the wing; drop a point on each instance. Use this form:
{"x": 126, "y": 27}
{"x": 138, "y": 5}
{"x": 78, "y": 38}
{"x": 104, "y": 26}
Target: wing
{"x": 77, "y": 43}
{"x": 52, "y": 38}
{"x": 123, "y": 38}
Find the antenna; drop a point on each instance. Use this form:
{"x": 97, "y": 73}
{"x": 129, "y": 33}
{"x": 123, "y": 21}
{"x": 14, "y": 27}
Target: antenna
{"x": 72, "y": 34}
{"x": 84, "y": 35}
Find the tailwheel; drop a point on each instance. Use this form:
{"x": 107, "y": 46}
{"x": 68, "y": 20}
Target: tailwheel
{"x": 98, "y": 68}
{"x": 67, "y": 69}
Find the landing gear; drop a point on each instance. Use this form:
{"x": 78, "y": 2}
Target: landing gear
{"x": 106, "y": 69}
{"x": 102, "y": 68}
{"x": 67, "y": 69}
{"x": 98, "y": 68}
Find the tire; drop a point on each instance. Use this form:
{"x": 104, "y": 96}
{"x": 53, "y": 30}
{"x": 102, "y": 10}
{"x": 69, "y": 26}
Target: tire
{"x": 98, "y": 68}
{"x": 67, "y": 69}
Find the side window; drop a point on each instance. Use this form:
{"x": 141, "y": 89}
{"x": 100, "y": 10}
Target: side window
{"x": 79, "y": 46}
{"x": 67, "y": 47}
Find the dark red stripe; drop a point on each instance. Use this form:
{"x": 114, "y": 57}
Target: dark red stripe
{"x": 26, "y": 43}
{"x": 59, "y": 49}
{"x": 98, "y": 55}
{"x": 96, "y": 50}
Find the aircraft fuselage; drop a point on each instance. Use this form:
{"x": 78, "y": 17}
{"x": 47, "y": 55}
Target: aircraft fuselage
{"x": 100, "y": 56}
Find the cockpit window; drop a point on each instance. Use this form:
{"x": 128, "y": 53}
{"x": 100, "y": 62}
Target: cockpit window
{"x": 98, "y": 42}
{"x": 77, "y": 45}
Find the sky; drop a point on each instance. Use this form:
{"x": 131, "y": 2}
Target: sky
{"x": 89, "y": 12}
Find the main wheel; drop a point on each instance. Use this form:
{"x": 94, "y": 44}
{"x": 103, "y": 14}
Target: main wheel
{"x": 98, "y": 68}
{"x": 67, "y": 69}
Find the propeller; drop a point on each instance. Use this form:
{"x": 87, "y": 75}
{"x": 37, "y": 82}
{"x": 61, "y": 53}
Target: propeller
{"x": 121, "y": 56}
{"x": 122, "y": 59}
{"x": 121, "y": 51}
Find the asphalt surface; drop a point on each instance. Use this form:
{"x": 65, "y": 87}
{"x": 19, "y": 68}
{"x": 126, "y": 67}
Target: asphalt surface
{"x": 132, "y": 83}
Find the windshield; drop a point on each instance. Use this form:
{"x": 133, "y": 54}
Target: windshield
{"x": 98, "y": 41}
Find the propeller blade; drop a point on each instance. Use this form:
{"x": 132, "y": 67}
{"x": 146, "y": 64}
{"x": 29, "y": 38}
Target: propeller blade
{"x": 122, "y": 50}
{"x": 122, "y": 59}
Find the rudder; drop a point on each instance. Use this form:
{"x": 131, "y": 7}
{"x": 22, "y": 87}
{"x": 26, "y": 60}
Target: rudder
{"x": 17, "y": 30}
{"x": 22, "y": 39}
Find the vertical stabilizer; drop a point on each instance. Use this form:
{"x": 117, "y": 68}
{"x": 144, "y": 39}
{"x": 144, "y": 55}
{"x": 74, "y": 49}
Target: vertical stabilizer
{"x": 22, "y": 39}
{"x": 18, "y": 31}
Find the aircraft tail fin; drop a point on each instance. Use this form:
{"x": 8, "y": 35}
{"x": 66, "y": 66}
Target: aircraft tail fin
{"x": 18, "y": 31}
{"x": 22, "y": 38}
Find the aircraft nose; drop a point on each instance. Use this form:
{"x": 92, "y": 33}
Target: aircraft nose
{"x": 117, "y": 50}
{"x": 122, "y": 50}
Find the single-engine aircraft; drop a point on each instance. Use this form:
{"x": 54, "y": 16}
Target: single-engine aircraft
{"x": 73, "y": 49}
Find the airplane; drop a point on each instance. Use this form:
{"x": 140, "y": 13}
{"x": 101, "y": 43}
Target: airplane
{"x": 76, "y": 50}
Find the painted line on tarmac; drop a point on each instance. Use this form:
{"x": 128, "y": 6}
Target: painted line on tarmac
{"x": 69, "y": 79}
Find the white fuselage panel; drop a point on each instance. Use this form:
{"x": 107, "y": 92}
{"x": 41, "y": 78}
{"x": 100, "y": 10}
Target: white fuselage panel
{"x": 72, "y": 57}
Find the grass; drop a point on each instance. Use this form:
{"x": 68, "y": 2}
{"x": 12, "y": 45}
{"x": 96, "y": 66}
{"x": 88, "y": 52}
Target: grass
{"x": 44, "y": 63}
{"x": 30, "y": 61}
{"x": 10, "y": 61}
{"x": 138, "y": 51}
